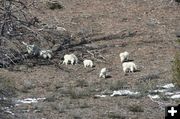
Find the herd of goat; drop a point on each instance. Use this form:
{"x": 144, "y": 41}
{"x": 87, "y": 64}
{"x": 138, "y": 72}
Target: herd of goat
{"x": 128, "y": 66}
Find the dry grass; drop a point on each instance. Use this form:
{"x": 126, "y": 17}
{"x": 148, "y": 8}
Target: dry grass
{"x": 105, "y": 20}
{"x": 81, "y": 83}
{"x": 115, "y": 115}
{"x": 7, "y": 90}
{"x": 7, "y": 87}
{"x": 76, "y": 93}
{"x": 145, "y": 87}
{"x": 117, "y": 85}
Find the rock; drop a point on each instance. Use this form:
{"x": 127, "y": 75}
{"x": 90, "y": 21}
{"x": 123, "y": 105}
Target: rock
{"x": 19, "y": 68}
{"x": 28, "y": 84}
{"x": 152, "y": 22}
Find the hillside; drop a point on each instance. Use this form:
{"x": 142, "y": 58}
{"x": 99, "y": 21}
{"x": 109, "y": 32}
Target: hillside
{"x": 147, "y": 29}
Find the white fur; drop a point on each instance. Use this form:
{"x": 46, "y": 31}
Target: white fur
{"x": 32, "y": 49}
{"x": 129, "y": 67}
{"x": 124, "y": 56}
{"x": 75, "y": 57}
{"x": 70, "y": 58}
{"x": 24, "y": 43}
{"x": 88, "y": 63}
{"x": 103, "y": 73}
{"x": 46, "y": 54}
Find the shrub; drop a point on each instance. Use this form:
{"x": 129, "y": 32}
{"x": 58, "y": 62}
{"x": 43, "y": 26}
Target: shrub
{"x": 117, "y": 85}
{"x": 76, "y": 93}
{"x": 145, "y": 87}
{"x": 136, "y": 108}
{"x": 54, "y": 5}
{"x": 176, "y": 70}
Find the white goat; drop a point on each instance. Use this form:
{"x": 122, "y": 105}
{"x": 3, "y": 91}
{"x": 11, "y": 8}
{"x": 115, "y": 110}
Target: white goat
{"x": 129, "y": 67}
{"x": 124, "y": 56}
{"x": 75, "y": 57}
{"x": 88, "y": 63}
{"x": 70, "y": 58}
{"x": 46, "y": 54}
{"x": 103, "y": 73}
{"x": 32, "y": 49}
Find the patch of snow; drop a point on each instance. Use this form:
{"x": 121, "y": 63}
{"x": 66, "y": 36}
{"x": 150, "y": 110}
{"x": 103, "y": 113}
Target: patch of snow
{"x": 154, "y": 96}
{"x": 167, "y": 86}
{"x": 168, "y": 93}
{"x": 29, "y": 100}
{"x": 3, "y": 98}
{"x": 100, "y": 96}
{"x": 41, "y": 99}
{"x": 178, "y": 92}
{"x": 175, "y": 96}
{"x": 159, "y": 91}
{"x": 124, "y": 92}
{"x": 8, "y": 110}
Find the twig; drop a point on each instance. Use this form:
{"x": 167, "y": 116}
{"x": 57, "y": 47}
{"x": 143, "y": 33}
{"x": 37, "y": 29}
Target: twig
{"x": 10, "y": 59}
{"x": 91, "y": 53}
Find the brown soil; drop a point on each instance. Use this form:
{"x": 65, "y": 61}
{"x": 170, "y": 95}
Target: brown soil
{"x": 70, "y": 92}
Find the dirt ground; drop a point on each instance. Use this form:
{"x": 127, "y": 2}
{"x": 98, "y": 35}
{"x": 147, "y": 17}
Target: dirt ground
{"x": 70, "y": 93}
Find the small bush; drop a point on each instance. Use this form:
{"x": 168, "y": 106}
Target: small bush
{"x": 145, "y": 87}
{"x": 76, "y": 93}
{"x": 136, "y": 108}
{"x": 117, "y": 85}
{"x": 54, "y": 5}
{"x": 176, "y": 70}
{"x": 149, "y": 77}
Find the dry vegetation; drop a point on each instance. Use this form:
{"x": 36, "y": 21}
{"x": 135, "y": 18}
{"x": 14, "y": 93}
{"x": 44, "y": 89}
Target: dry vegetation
{"x": 97, "y": 30}
{"x": 176, "y": 70}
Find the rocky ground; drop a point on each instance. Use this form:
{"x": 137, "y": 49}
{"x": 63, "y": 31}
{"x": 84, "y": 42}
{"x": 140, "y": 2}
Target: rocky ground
{"x": 69, "y": 91}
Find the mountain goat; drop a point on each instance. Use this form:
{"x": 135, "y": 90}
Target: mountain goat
{"x": 32, "y": 49}
{"x": 46, "y": 54}
{"x": 88, "y": 63}
{"x": 129, "y": 67}
{"x": 75, "y": 57}
{"x": 70, "y": 58}
{"x": 103, "y": 73}
{"x": 124, "y": 56}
